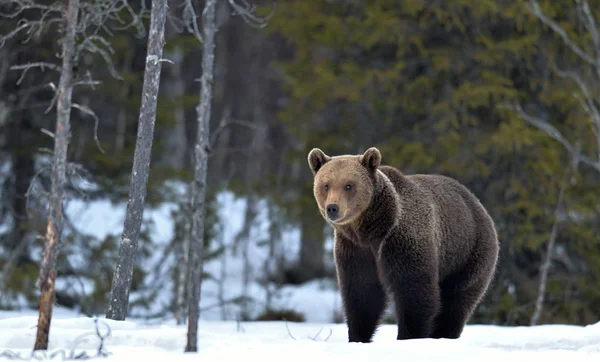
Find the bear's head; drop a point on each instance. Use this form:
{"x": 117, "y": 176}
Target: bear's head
{"x": 344, "y": 185}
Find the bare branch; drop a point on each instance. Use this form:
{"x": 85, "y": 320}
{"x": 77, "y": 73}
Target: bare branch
{"x": 28, "y": 66}
{"x": 22, "y": 5}
{"x": 13, "y": 33}
{"x": 288, "y": 329}
{"x": 534, "y": 7}
{"x": 589, "y": 103}
{"x": 87, "y": 110}
{"x": 87, "y": 80}
{"x": 315, "y": 338}
{"x": 222, "y": 128}
{"x": 590, "y": 24}
{"x": 89, "y": 45}
{"x": 190, "y": 19}
{"x": 48, "y": 132}
{"x": 556, "y": 135}
{"x": 246, "y": 11}
{"x": 30, "y": 25}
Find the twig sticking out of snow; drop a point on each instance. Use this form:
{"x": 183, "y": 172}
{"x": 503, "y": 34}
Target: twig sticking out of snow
{"x": 71, "y": 355}
{"x": 288, "y": 329}
{"x": 240, "y": 328}
{"x": 314, "y": 338}
{"x": 319, "y": 332}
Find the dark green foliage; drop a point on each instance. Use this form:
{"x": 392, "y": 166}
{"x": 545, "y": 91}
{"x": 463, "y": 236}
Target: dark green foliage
{"x": 281, "y": 315}
{"x": 428, "y": 83}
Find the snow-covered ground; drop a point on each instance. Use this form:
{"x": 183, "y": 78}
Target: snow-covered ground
{"x": 277, "y": 341}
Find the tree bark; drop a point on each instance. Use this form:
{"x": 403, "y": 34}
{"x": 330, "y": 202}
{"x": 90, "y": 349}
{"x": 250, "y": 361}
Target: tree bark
{"x": 545, "y": 267}
{"x": 182, "y": 273}
{"x": 47, "y": 277}
{"x": 198, "y": 187}
{"x": 121, "y": 283}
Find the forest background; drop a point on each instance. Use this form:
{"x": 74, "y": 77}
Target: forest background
{"x": 501, "y": 95}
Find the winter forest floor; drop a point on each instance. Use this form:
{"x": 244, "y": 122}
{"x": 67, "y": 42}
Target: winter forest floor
{"x": 277, "y": 341}
{"x": 318, "y": 338}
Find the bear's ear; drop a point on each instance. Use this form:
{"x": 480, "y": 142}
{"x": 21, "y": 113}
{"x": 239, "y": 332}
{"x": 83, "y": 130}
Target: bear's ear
{"x": 316, "y": 159}
{"x": 371, "y": 159}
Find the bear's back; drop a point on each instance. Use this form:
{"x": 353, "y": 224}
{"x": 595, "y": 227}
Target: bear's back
{"x": 456, "y": 217}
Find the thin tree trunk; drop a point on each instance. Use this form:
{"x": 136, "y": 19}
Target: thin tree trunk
{"x": 47, "y": 277}
{"x": 121, "y": 129}
{"x": 182, "y": 272}
{"x": 121, "y": 283}
{"x": 243, "y": 241}
{"x": 222, "y": 277}
{"x": 198, "y": 187}
{"x": 545, "y": 267}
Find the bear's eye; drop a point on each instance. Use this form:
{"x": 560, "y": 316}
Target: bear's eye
{"x": 348, "y": 187}
{"x": 326, "y": 187}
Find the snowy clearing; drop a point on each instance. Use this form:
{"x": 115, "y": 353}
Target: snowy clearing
{"x": 229, "y": 267}
{"x": 272, "y": 341}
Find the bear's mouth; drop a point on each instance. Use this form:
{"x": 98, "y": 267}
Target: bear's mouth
{"x": 337, "y": 221}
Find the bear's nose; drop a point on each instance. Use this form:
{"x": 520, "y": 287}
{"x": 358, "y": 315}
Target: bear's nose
{"x": 332, "y": 211}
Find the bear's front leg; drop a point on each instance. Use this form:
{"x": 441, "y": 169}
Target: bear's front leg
{"x": 362, "y": 294}
{"x": 410, "y": 271}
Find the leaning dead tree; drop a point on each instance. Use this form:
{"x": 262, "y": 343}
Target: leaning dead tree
{"x": 81, "y": 25}
{"x": 201, "y": 152}
{"x": 585, "y": 75}
{"x": 545, "y": 267}
{"x": 47, "y": 275}
{"x": 123, "y": 275}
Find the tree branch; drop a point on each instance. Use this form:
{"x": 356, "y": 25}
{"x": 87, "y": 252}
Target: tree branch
{"x": 26, "y": 67}
{"x": 590, "y": 24}
{"x": 556, "y": 135}
{"x": 87, "y": 110}
{"x": 190, "y": 21}
{"x": 89, "y": 45}
{"x": 588, "y": 104}
{"x": 534, "y": 7}
{"x": 246, "y": 11}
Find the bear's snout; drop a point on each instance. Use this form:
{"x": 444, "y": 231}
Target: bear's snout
{"x": 333, "y": 211}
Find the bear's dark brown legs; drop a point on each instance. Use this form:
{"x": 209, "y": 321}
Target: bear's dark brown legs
{"x": 456, "y": 309}
{"x": 363, "y": 296}
{"x": 414, "y": 285}
{"x": 460, "y": 294}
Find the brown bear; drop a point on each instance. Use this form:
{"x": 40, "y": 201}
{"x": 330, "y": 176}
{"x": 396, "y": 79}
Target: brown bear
{"x": 425, "y": 240}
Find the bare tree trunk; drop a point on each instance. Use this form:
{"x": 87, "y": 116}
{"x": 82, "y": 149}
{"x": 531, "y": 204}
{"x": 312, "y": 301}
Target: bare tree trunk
{"x": 121, "y": 129}
{"x": 182, "y": 272}
{"x": 47, "y": 277}
{"x": 198, "y": 187}
{"x": 222, "y": 277}
{"x": 243, "y": 240}
{"x": 545, "y": 267}
{"x": 121, "y": 283}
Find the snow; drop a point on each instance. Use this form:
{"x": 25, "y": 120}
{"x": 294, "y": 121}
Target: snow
{"x": 273, "y": 341}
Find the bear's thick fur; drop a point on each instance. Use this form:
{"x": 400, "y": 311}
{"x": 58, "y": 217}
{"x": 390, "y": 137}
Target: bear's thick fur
{"x": 425, "y": 240}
